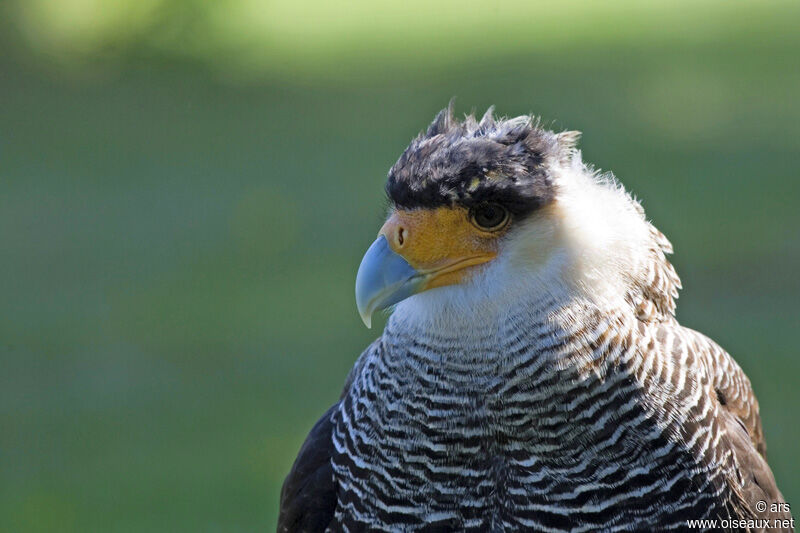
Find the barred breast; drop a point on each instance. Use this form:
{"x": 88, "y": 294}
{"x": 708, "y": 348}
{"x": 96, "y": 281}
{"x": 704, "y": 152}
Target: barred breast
{"x": 563, "y": 419}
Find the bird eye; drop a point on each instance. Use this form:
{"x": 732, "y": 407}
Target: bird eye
{"x": 489, "y": 217}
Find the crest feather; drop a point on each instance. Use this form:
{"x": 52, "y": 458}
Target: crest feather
{"x": 443, "y": 121}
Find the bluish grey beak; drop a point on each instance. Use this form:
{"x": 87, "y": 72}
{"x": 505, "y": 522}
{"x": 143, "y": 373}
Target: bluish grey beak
{"x": 384, "y": 278}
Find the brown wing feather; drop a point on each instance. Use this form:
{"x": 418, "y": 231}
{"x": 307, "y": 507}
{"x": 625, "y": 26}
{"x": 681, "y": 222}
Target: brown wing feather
{"x": 755, "y": 481}
{"x": 743, "y": 434}
{"x": 653, "y": 296}
{"x": 731, "y": 386}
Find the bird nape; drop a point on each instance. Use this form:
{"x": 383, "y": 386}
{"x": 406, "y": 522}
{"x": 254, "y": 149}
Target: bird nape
{"x": 532, "y": 375}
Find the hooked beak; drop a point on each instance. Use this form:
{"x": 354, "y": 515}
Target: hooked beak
{"x": 384, "y": 279}
{"x": 418, "y": 250}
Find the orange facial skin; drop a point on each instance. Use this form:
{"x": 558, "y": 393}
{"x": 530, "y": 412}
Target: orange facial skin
{"x": 440, "y": 243}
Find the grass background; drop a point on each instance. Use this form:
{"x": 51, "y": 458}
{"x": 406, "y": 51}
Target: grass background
{"x": 187, "y": 187}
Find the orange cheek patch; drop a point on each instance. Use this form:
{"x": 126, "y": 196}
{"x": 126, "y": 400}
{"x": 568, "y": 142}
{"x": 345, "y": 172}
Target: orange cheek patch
{"x": 439, "y": 241}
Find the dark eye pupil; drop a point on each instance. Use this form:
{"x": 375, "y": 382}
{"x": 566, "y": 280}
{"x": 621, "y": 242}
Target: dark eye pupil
{"x": 489, "y": 216}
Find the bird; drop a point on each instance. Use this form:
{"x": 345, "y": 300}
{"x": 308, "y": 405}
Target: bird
{"x": 531, "y": 375}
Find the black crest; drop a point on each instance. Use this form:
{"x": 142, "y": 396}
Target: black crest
{"x": 468, "y": 162}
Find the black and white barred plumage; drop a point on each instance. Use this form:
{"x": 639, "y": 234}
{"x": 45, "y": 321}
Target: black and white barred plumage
{"x": 553, "y": 390}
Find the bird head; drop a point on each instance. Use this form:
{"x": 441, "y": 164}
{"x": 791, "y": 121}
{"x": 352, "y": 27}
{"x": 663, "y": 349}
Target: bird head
{"x": 491, "y": 209}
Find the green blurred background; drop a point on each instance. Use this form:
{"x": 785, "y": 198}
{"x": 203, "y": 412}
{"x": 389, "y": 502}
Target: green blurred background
{"x": 187, "y": 186}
